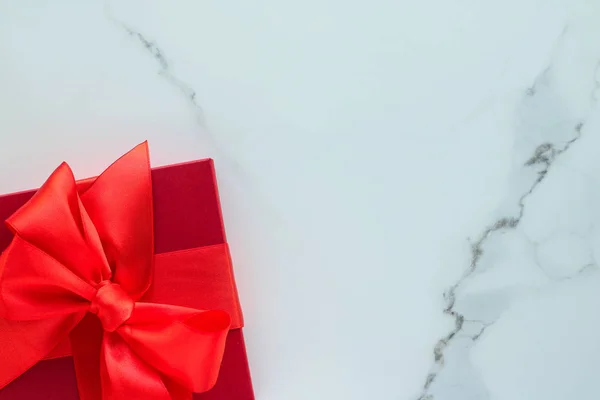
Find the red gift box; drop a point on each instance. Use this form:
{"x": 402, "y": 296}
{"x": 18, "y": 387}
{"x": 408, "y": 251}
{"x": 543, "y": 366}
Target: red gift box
{"x": 187, "y": 215}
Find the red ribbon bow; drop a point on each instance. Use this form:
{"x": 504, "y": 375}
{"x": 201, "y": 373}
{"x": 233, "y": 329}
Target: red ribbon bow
{"x": 79, "y": 251}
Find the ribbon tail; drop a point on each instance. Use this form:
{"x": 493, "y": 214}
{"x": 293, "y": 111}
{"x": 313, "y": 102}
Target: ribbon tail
{"x": 124, "y": 376}
{"x": 86, "y": 341}
{"x": 24, "y": 343}
{"x": 106, "y": 368}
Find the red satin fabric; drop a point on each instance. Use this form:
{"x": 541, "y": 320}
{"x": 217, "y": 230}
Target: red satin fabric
{"x": 78, "y": 266}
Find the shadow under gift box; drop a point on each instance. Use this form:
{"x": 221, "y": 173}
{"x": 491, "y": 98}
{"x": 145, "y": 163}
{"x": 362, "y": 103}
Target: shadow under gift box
{"x": 187, "y": 214}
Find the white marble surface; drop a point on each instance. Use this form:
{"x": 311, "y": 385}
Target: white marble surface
{"x": 372, "y": 156}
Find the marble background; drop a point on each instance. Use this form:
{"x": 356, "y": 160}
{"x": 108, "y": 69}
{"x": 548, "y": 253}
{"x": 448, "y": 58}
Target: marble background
{"x": 411, "y": 189}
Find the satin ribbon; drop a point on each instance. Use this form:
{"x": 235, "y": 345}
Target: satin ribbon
{"x": 77, "y": 267}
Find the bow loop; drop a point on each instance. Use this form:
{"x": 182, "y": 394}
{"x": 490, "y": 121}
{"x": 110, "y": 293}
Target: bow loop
{"x": 55, "y": 222}
{"x": 179, "y": 341}
{"x": 119, "y": 203}
{"x": 36, "y": 286}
